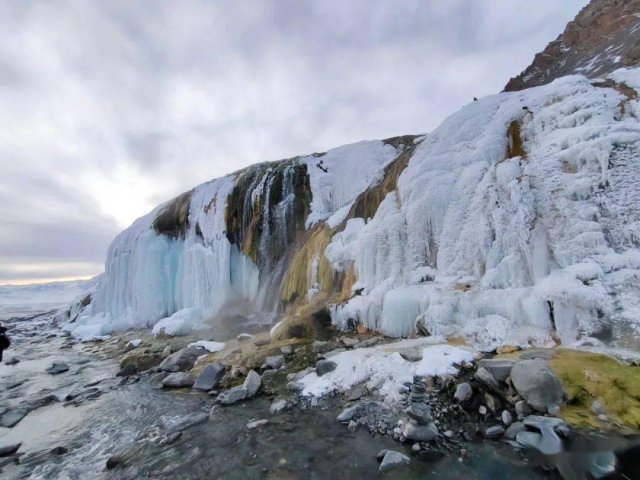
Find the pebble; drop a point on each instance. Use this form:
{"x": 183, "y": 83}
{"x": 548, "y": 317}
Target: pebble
{"x": 257, "y": 424}
{"x": 416, "y": 447}
{"x": 482, "y": 410}
{"x": 494, "y": 432}
{"x": 463, "y": 392}
{"x": 325, "y": 366}
{"x": 507, "y": 418}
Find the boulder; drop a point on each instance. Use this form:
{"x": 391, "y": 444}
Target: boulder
{"x": 178, "y": 380}
{"x": 325, "y": 366}
{"x": 463, "y": 392}
{"x": 528, "y": 439}
{"x": 537, "y": 384}
{"x": 499, "y": 368}
{"x": 252, "y": 384}
{"x": 209, "y": 377}
{"x": 393, "y": 460}
{"x": 182, "y": 360}
{"x": 420, "y": 433}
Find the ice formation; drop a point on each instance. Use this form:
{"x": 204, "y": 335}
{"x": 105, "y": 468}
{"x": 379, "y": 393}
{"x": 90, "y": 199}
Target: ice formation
{"x": 516, "y": 221}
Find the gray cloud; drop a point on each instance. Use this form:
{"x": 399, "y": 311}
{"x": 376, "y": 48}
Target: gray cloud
{"x": 109, "y": 107}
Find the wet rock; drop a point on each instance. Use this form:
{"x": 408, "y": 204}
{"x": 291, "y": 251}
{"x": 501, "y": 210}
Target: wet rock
{"x": 127, "y": 370}
{"x": 325, "y": 366}
{"x": 495, "y": 432}
{"x": 522, "y": 409}
{"x": 182, "y": 422}
{"x": 393, "y": 460}
{"x": 182, "y": 360}
{"x": 551, "y": 444}
{"x": 9, "y": 449}
{"x": 463, "y": 392}
{"x": 416, "y": 447}
{"x": 11, "y": 361}
{"x": 499, "y": 369}
{"x": 278, "y": 407}
{"x": 178, "y": 380}
{"x": 506, "y": 417}
{"x": 252, "y": 384}
{"x": 12, "y": 417}
{"x": 57, "y": 367}
{"x": 275, "y": 362}
{"x": 233, "y": 395}
{"x": 514, "y": 429}
{"x": 351, "y": 413}
{"x": 257, "y": 423}
{"x": 209, "y": 377}
{"x": 537, "y": 384}
{"x": 483, "y": 375}
{"x": 420, "y": 433}
{"x": 113, "y": 461}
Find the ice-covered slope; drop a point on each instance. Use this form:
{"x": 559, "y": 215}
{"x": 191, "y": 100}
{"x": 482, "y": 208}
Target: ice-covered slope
{"x": 516, "y": 221}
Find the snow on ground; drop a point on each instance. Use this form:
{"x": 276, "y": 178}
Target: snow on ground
{"x": 209, "y": 346}
{"x": 384, "y": 368}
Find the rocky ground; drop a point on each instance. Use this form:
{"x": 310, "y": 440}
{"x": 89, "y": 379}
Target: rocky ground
{"x": 512, "y": 402}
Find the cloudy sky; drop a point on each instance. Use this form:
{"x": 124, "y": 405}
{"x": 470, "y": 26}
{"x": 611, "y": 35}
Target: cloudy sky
{"x": 110, "y": 107}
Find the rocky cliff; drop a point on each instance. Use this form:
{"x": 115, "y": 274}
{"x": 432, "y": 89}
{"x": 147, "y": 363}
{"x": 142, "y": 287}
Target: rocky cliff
{"x": 603, "y": 37}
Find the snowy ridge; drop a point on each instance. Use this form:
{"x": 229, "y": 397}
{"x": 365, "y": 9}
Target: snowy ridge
{"x": 516, "y": 221}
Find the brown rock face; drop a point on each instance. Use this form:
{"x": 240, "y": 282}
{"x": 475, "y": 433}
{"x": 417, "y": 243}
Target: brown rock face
{"x": 603, "y": 37}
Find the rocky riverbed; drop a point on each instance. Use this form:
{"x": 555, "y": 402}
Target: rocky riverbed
{"x": 215, "y": 406}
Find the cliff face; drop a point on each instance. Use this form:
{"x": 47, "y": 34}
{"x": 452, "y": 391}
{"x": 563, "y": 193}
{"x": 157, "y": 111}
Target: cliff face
{"x": 517, "y": 221}
{"x": 603, "y": 37}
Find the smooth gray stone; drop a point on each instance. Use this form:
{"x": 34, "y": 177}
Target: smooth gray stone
{"x": 537, "y": 384}
{"x": 209, "y": 377}
{"x": 529, "y": 439}
{"x": 182, "y": 360}
{"x": 252, "y": 384}
{"x": 499, "y": 368}
{"x": 514, "y": 429}
{"x": 483, "y": 375}
{"x": 178, "y": 380}
{"x": 275, "y": 362}
{"x": 325, "y": 366}
{"x": 420, "y": 433}
{"x": 393, "y": 460}
{"x": 463, "y": 392}
{"x": 12, "y": 417}
{"x": 57, "y": 367}
{"x": 233, "y": 395}
{"x": 278, "y": 406}
{"x": 494, "y": 432}
{"x": 9, "y": 449}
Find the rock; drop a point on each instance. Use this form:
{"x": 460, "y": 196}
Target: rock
{"x": 59, "y": 450}
{"x": 113, "y": 461}
{"x": 597, "y": 408}
{"x": 349, "y": 342}
{"x": 420, "y": 433}
{"x": 320, "y": 347}
{"x": 393, "y": 460}
{"x": 550, "y": 443}
{"x": 356, "y": 392}
{"x": 514, "y": 429}
{"x": 209, "y": 377}
{"x": 483, "y": 375}
{"x": 278, "y": 406}
{"x": 132, "y": 345}
{"x": 528, "y": 439}
{"x": 233, "y": 395}
{"x": 353, "y": 426}
{"x": 381, "y": 454}
{"x": 493, "y": 404}
{"x": 553, "y": 410}
{"x": 275, "y": 362}
{"x": 463, "y": 392}
{"x": 243, "y": 337}
{"x": 127, "y": 370}
{"x": 295, "y": 387}
{"x": 182, "y": 422}
{"x": 361, "y": 329}
{"x": 506, "y": 349}
{"x": 495, "y": 432}
{"x": 171, "y": 438}
{"x": 415, "y": 447}
{"x": 482, "y": 410}
{"x": 351, "y": 413}
{"x": 507, "y": 418}
{"x": 57, "y": 367}
{"x": 368, "y": 343}
{"x": 325, "y": 366}
{"x": 257, "y": 423}
{"x": 420, "y": 412}
{"x": 537, "y": 384}
{"x": 178, "y": 380}
{"x": 412, "y": 355}
{"x": 537, "y": 422}
{"x": 262, "y": 342}
{"x": 12, "y": 417}
{"x": 9, "y": 449}
{"x": 286, "y": 350}
{"x": 182, "y": 360}
{"x": 603, "y": 418}
{"x": 499, "y": 368}
{"x": 252, "y": 384}
{"x": 11, "y": 361}
{"x": 166, "y": 352}
{"x": 522, "y": 409}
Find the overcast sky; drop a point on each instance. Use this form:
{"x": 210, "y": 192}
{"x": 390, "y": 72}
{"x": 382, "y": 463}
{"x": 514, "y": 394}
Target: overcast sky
{"x": 108, "y": 108}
